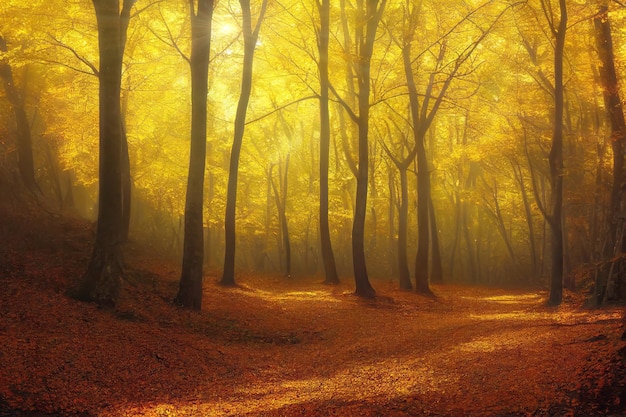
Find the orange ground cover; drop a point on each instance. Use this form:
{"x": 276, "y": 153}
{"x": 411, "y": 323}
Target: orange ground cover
{"x": 278, "y": 347}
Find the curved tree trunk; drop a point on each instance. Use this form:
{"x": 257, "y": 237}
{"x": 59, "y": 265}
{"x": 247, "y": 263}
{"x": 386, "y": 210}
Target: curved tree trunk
{"x": 250, "y": 37}
{"x": 366, "y": 48}
{"x": 190, "y": 287}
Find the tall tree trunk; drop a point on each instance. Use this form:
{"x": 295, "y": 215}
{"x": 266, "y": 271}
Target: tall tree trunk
{"x": 125, "y": 157}
{"x": 423, "y": 225}
{"x": 250, "y": 37}
{"x": 26, "y": 163}
{"x": 555, "y": 159}
{"x": 469, "y": 245}
{"x": 280, "y": 196}
{"x": 496, "y": 214}
{"x": 208, "y": 233}
{"x": 403, "y": 220}
{"x": 529, "y": 222}
{"x": 458, "y": 217}
{"x": 101, "y": 282}
{"x": 330, "y": 267}
{"x": 190, "y": 286}
{"x": 126, "y": 183}
{"x": 369, "y": 24}
{"x": 423, "y": 177}
{"x": 436, "y": 274}
{"x": 392, "y": 221}
{"x": 614, "y": 109}
{"x": 403, "y": 214}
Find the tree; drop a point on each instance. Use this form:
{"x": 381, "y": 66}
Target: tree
{"x": 420, "y": 124}
{"x": 250, "y": 38}
{"x": 615, "y": 112}
{"x": 499, "y": 106}
{"x": 323, "y": 35}
{"x": 422, "y": 114}
{"x": 402, "y": 165}
{"x": 190, "y": 289}
{"x": 555, "y": 158}
{"x": 26, "y": 164}
{"x": 101, "y": 282}
{"x": 613, "y": 106}
{"x": 280, "y": 197}
{"x": 366, "y": 26}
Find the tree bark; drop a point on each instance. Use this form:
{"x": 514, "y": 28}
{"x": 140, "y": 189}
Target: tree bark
{"x": 517, "y": 169}
{"x": 393, "y": 258}
{"x": 126, "y": 183}
{"x": 190, "y": 286}
{"x": 102, "y": 281}
{"x": 280, "y": 196}
{"x": 615, "y": 112}
{"x": 423, "y": 207}
{"x": 250, "y": 37}
{"x": 125, "y": 157}
{"x": 436, "y": 275}
{"x": 369, "y": 24}
{"x": 26, "y": 163}
{"x": 555, "y": 160}
{"x": 423, "y": 176}
{"x": 330, "y": 266}
{"x": 403, "y": 213}
{"x": 403, "y": 220}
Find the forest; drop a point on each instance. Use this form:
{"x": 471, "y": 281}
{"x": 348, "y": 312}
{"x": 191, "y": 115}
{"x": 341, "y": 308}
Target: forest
{"x": 267, "y": 180}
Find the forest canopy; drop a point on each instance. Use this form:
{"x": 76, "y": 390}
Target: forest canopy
{"x": 460, "y": 99}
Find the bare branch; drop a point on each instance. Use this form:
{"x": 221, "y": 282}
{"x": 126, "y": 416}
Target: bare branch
{"x": 143, "y": 9}
{"x": 172, "y": 42}
{"x": 92, "y": 67}
{"x": 345, "y": 105}
{"x": 257, "y": 27}
{"x": 279, "y": 108}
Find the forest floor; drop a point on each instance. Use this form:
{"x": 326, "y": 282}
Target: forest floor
{"x": 287, "y": 347}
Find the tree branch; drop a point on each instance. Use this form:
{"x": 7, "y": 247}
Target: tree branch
{"x": 279, "y": 108}
{"x": 92, "y": 67}
{"x": 343, "y": 104}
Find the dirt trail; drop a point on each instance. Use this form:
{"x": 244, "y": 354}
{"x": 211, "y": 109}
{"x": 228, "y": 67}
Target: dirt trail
{"x": 469, "y": 352}
{"x": 277, "y": 347}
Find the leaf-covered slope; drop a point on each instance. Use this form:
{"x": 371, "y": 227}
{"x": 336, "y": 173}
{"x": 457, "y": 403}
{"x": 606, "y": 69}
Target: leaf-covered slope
{"x": 285, "y": 347}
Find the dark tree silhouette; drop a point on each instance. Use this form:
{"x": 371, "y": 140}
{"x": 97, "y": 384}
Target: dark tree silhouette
{"x": 250, "y": 37}
{"x": 614, "y": 108}
{"x": 555, "y": 157}
{"x": 323, "y": 34}
{"x": 402, "y": 165}
{"x": 366, "y": 27}
{"x": 101, "y": 282}
{"x": 190, "y": 288}
{"x": 25, "y": 160}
